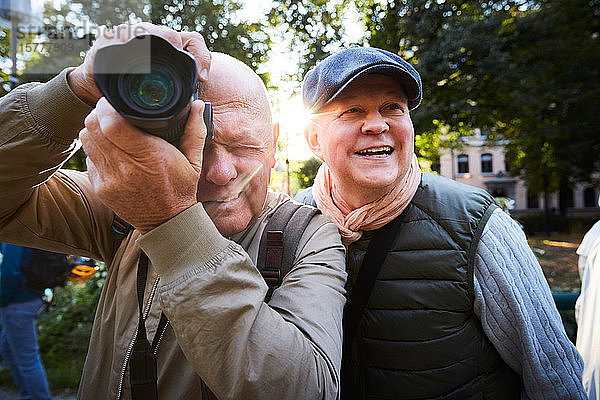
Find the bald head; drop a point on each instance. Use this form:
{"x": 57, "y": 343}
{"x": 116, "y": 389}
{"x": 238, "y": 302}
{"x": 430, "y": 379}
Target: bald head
{"x": 231, "y": 83}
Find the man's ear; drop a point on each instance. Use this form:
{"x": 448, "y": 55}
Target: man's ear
{"x": 275, "y": 138}
{"x": 311, "y": 133}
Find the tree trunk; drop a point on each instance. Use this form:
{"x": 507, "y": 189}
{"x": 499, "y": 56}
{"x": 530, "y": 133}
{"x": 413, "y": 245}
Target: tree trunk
{"x": 546, "y": 206}
{"x": 563, "y": 196}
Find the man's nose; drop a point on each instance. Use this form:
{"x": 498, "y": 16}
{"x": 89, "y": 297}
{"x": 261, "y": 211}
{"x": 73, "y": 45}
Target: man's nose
{"x": 374, "y": 124}
{"x": 220, "y": 167}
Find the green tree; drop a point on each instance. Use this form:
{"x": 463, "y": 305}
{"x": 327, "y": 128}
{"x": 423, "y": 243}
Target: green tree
{"x": 556, "y": 92}
{"x": 4, "y": 55}
{"x": 64, "y": 330}
{"x": 315, "y": 28}
{"x": 220, "y": 25}
{"x": 217, "y": 21}
{"x": 305, "y": 172}
{"x": 454, "y": 46}
{"x": 66, "y": 23}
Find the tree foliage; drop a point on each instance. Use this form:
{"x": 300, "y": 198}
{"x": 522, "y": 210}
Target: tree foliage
{"x": 556, "y": 51}
{"x": 68, "y": 22}
{"x": 451, "y": 43}
{"x": 64, "y": 330}
{"x": 217, "y": 21}
{"x": 314, "y": 27}
{"x": 306, "y": 171}
{"x": 220, "y": 25}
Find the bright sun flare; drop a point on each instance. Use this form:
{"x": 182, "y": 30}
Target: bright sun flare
{"x": 292, "y": 119}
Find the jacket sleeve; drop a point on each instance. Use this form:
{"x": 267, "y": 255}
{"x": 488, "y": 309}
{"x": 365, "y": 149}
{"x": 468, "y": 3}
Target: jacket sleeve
{"x": 241, "y": 347}
{"x": 518, "y": 314}
{"x": 41, "y": 205}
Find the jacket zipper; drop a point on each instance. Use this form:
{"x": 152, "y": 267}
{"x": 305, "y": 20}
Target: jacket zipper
{"x": 130, "y": 347}
{"x": 162, "y": 333}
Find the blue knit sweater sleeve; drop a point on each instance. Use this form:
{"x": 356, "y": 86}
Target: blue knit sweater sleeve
{"x": 517, "y": 312}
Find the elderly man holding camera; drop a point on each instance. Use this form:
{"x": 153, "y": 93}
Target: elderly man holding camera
{"x": 198, "y": 213}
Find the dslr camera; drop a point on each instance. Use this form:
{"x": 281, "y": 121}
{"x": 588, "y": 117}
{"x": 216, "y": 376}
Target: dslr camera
{"x": 151, "y": 84}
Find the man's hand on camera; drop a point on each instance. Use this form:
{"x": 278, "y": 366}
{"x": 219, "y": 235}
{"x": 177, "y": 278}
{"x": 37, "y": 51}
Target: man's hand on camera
{"x": 81, "y": 79}
{"x": 141, "y": 177}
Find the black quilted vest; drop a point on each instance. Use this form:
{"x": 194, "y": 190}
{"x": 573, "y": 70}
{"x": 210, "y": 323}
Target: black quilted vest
{"x": 419, "y": 337}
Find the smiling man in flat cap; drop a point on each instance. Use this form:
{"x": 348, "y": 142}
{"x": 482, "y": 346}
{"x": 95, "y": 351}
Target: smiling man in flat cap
{"x": 446, "y": 299}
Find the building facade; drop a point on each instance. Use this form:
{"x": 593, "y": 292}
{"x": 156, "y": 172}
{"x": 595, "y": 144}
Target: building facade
{"x": 483, "y": 165}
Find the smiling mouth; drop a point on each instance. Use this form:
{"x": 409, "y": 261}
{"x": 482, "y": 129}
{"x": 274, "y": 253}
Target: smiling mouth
{"x": 377, "y": 152}
{"x": 235, "y": 196}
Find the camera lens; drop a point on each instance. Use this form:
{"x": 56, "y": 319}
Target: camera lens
{"x": 151, "y": 91}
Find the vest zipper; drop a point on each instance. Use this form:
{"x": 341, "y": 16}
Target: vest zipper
{"x": 130, "y": 347}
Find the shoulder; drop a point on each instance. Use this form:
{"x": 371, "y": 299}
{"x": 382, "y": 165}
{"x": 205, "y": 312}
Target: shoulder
{"x": 444, "y": 189}
{"x": 445, "y": 199}
{"x": 590, "y": 241}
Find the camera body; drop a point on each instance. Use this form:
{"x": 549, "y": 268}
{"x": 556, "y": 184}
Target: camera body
{"x": 151, "y": 84}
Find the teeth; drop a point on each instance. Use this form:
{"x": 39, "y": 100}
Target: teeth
{"x": 377, "y": 150}
{"x": 235, "y": 196}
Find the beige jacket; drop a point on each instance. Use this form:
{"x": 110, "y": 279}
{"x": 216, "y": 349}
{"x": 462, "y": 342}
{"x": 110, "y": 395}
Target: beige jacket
{"x": 223, "y": 341}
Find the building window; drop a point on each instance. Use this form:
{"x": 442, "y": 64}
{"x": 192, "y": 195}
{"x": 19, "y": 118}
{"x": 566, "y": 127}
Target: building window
{"x": 569, "y": 198}
{"x": 436, "y": 166}
{"x": 486, "y": 164}
{"x": 533, "y": 200}
{"x": 589, "y": 197}
{"x": 506, "y": 163}
{"x": 463, "y": 164}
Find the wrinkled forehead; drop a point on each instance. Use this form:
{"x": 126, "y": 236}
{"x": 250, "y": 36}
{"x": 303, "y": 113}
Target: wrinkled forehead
{"x": 239, "y": 121}
{"x": 238, "y": 96}
{"x": 371, "y": 85}
{"x": 371, "y": 88}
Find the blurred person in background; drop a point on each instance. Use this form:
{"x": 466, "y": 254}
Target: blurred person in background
{"x": 19, "y": 309}
{"x": 587, "y": 310}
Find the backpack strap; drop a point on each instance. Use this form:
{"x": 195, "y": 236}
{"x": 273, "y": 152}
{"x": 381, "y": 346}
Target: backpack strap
{"x": 377, "y": 251}
{"x": 279, "y": 242}
{"x": 121, "y": 229}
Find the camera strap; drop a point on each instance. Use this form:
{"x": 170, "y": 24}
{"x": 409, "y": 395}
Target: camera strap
{"x": 142, "y": 364}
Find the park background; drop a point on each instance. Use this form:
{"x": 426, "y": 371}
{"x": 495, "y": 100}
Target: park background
{"x": 524, "y": 73}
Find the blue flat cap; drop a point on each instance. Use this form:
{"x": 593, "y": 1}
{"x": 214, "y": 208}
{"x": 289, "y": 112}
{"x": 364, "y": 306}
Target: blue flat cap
{"x": 331, "y": 76}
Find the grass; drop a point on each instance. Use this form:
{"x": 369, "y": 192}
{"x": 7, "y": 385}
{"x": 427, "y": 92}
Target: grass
{"x": 558, "y": 260}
